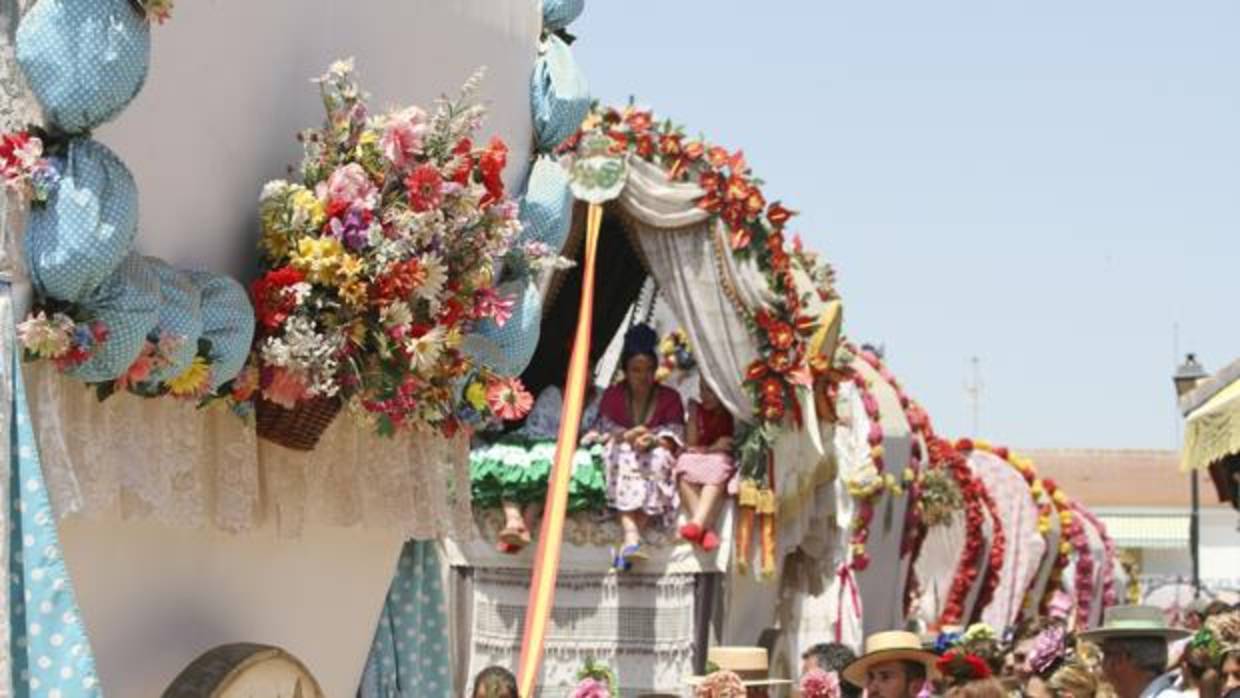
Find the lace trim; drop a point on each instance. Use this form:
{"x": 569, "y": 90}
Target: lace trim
{"x": 189, "y": 467}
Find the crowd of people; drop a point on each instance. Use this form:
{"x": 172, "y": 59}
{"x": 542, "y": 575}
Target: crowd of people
{"x": 1134, "y": 654}
{"x": 657, "y": 457}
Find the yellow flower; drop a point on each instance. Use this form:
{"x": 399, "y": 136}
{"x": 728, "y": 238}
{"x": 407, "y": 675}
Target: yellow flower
{"x": 453, "y": 339}
{"x": 307, "y": 211}
{"x": 350, "y": 267}
{"x": 354, "y": 294}
{"x": 876, "y": 452}
{"x": 1037, "y": 490}
{"x": 1060, "y": 498}
{"x": 476, "y": 395}
{"x": 1065, "y": 518}
{"x": 192, "y": 382}
{"x": 910, "y": 475}
{"x": 1065, "y": 548}
{"x": 318, "y": 258}
{"x": 982, "y": 445}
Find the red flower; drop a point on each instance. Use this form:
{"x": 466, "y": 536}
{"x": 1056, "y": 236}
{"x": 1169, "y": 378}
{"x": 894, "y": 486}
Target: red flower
{"x": 756, "y": 371}
{"x": 492, "y": 165}
{"x": 741, "y": 237}
{"x": 398, "y": 282}
{"x": 425, "y": 187}
{"x": 639, "y": 120}
{"x": 645, "y": 146}
{"x": 781, "y": 335}
{"x": 772, "y": 390}
{"x": 669, "y": 145}
{"x": 964, "y": 445}
{"x": 778, "y": 216}
{"x": 272, "y": 302}
{"x": 464, "y": 152}
{"x": 780, "y": 361}
{"x": 717, "y": 157}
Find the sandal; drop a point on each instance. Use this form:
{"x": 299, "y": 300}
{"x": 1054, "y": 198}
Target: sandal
{"x": 513, "y": 536}
{"x": 691, "y": 532}
{"x": 633, "y": 553}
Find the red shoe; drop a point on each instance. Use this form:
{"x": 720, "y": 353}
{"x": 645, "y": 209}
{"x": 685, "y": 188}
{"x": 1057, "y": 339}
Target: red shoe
{"x": 710, "y": 541}
{"x": 691, "y": 532}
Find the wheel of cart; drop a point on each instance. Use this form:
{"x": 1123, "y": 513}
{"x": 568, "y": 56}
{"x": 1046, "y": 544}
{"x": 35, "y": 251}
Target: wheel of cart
{"x": 243, "y": 670}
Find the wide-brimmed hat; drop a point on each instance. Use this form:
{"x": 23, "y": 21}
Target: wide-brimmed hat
{"x": 1133, "y": 621}
{"x": 749, "y": 663}
{"x": 892, "y": 646}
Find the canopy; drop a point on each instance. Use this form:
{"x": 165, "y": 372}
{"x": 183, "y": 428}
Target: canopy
{"x": 1212, "y": 430}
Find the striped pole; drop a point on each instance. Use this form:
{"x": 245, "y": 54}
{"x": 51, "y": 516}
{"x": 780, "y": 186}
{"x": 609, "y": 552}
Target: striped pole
{"x": 550, "y": 537}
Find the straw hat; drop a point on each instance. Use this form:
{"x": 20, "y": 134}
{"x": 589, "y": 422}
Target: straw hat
{"x": 893, "y": 646}
{"x": 749, "y": 663}
{"x": 1133, "y": 621}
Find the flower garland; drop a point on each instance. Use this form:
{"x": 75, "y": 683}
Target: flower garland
{"x": 1071, "y": 531}
{"x": 1110, "y": 596}
{"x": 1043, "y": 499}
{"x": 756, "y": 229}
{"x": 943, "y": 455}
{"x": 1083, "y": 581}
{"x": 379, "y": 261}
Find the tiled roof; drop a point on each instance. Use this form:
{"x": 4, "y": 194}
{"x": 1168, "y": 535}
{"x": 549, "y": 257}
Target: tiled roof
{"x": 1120, "y": 478}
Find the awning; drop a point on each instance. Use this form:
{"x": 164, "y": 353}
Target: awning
{"x": 1147, "y": 530}
{"x": 1212, "y": 431}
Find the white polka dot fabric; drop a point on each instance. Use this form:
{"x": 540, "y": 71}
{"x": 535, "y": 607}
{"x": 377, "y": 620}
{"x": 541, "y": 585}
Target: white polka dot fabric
{"x": 85, "y": 60}
{"x": 228, "y": 321}
{"x": 508, "y": 349}
{"x": 87, "y": 226}
{"x": 559, "y": 96}
{"x": 547, "y": 206}
{"x": 180, "y": 315}
{"x": 49, "y": 651}
{"x": 409, "y": 657}
{"x": 128, "y": 303}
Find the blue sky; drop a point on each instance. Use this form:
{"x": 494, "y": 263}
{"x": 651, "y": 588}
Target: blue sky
{"x": 1050, "y": 186}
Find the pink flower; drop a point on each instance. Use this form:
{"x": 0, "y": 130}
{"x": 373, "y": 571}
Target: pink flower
{"x": 509, "y": 399}
{"x": 425, "y": 187}
{"x": 817, "y": 683}
{"x": 350, "y": 187}
{"x": 402, "y": 138}
{"x": 285, "y": 389}
{"x": 489, "y": 304}
{"x": 591, "y": 688}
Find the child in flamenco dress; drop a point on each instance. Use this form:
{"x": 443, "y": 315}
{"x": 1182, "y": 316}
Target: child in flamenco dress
{"x": 705, "y": 470}
{"x": 512, "y": 473}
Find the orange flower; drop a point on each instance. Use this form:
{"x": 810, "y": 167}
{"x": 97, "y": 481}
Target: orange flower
{"x": 781, "y": 335}
{"x": 778, "y": 215}
{"x": 509, "y": 399}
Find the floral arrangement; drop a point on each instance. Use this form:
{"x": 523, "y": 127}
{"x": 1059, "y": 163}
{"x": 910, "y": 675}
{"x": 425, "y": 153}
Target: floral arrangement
{"x": 154, "y": 10}
{"x": 940, "y": 498}
{"x": 60, "y": 337}
{"x": 721, "y": 684}
{"x": 675, "y": 354}
{"x": 595, "y": 681}
{"x": 1050, "y": 648}
{"x": 978, "y": 640}
{"x": 817, "y": 683}
{"x": 25, "y": 167}
{"x": 377, "y": 262}
{"x": 959, "y": 667}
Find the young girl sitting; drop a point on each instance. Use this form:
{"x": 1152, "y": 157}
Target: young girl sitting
{"x": 706, "y": 468}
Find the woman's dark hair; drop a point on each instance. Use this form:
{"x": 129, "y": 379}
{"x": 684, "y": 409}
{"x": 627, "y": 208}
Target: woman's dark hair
{"x": 640, "y": 340}
{"x": 495, "y": 682}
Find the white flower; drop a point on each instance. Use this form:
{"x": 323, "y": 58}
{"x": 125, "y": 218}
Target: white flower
{"x": 300, "y": 291}
{"x": 424, "y": 351}
{"x": 396, "y": 314}
{"x": 273, "y": 189}
{"x": 46, "y": 338}
{"x": 436, "y": 279}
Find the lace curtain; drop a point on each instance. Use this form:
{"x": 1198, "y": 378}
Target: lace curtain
{"x": 190, "y": 467}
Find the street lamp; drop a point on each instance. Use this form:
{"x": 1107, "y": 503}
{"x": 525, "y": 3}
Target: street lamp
{"x": 1186, "y": 377}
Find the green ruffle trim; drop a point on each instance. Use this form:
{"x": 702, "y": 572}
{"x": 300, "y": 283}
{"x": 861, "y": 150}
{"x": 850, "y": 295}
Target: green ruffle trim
{"x": 517, "y": 469}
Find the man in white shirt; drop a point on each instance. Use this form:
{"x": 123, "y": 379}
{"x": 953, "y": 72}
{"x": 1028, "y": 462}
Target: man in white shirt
{"x": 1134, "y": 651}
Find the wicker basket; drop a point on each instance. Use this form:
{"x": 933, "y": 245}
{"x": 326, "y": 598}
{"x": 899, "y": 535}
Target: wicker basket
{"x": 300, "y": 427}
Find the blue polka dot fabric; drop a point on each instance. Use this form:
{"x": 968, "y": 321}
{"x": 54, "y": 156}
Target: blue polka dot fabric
{"x": 85, "y": 60}
{"x": 509, "y": 349}
{"x": 559, "y": 95}
{"x": 409, "y": 657}
{"x": 228, "y": 321}
{"x": 547, "y": 207}
{"x": 180, "y": 315}
{"x": 87, "y": 226}
{"x": 128, "y": 303}
{"x": 558, "y": 14}
{"x": 51, "y": 657}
